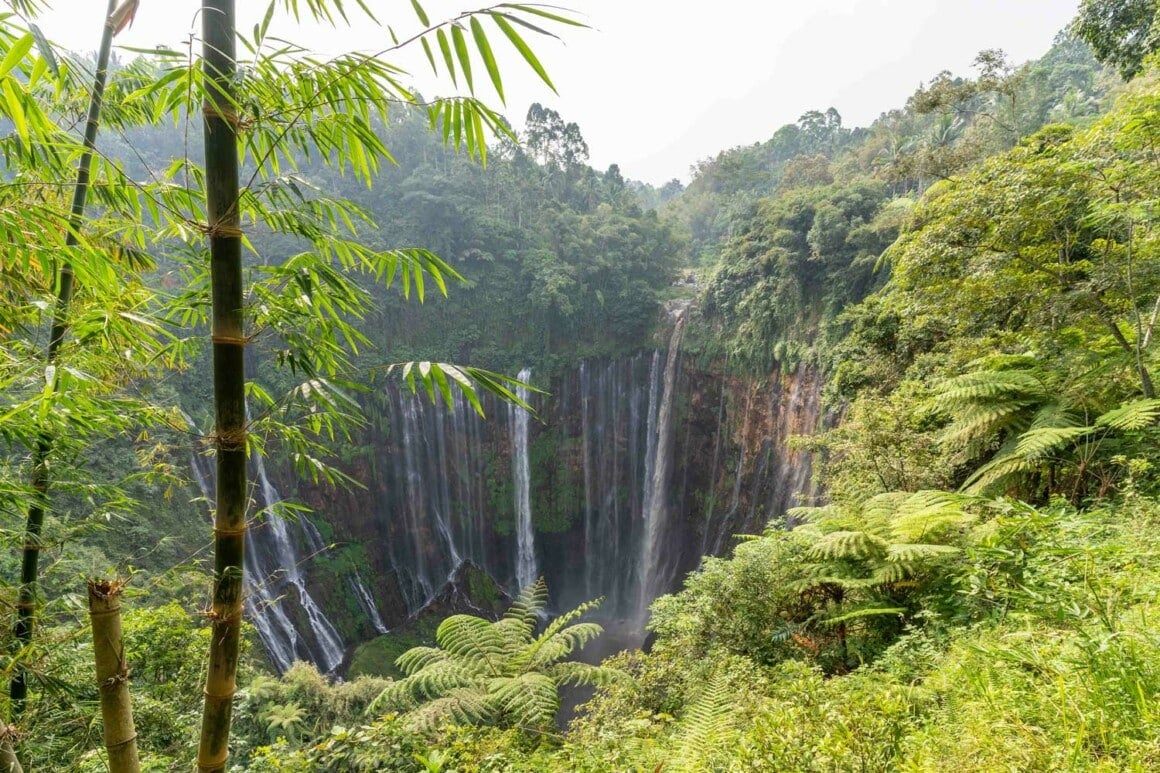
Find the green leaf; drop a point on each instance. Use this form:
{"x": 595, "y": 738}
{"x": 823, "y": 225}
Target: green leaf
{"x": 45, "y": 49}
{"x": 430, "y": 55}
{"x": 524, "y": 50}
{"x": 420, "y": 13}
{"x": 461, "y": 51}
{"x": 15, "y": 54}
{"x": 448, "y": 59}
{"x": 535, "y": 11}
{"x": 488, "y": 57}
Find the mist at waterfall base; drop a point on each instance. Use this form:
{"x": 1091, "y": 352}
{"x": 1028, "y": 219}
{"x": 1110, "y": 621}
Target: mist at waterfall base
{"x": 625, "y": 474}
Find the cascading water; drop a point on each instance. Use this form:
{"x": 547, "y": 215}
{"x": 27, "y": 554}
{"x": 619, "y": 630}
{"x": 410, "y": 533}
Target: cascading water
{"x": 521, "y": 480}
{"x": 656, "y": 572}
{"x": 367, "y": 602}
{"x": 618, "y": 415}
{"x": 280, "y": 555}
{"x": 628, "y": 500}
{"x": 272, "y": 566}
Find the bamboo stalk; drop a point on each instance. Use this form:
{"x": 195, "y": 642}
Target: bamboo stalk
{"x": 113, "y": 675}
{"x": 30, "y": 564}
{"x": 9, "y": 763}
{"x": 228, "y": 337}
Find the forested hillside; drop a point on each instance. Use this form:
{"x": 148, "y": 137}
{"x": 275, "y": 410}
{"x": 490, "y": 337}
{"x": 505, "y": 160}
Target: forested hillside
{"x": 841, "y": 457}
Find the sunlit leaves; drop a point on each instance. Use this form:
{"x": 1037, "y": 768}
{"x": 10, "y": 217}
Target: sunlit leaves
{"x": 486, "y": 672}
{"x": 442, "y": 380}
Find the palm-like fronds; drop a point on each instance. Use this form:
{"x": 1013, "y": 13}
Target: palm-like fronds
{"x": 860, "y": 555}
{"x": 485, "y": 672}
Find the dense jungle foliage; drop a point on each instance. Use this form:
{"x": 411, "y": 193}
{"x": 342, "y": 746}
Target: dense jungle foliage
{"x": 977, "y": 275}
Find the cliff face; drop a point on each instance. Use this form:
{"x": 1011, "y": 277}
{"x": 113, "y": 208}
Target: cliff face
{"x": 440, "y": 490}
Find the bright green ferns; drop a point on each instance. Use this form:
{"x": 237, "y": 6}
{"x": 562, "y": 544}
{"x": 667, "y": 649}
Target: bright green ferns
{"x": 496, "y": 673}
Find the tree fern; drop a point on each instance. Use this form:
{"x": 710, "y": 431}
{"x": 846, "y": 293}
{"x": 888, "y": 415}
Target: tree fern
{"x": 706, "y": 723}
{"x": 485, "y": 672}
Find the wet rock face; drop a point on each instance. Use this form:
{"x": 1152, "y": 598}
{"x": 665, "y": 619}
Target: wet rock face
{"x": 439, "y": 486}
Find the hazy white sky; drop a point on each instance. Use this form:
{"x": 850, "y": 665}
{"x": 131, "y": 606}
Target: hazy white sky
{"x": 654, "y": 85}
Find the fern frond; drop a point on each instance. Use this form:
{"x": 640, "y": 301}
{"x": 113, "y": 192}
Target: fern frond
{"x": 1037, "y": 443}
{"x": 847, "y": 544}
{"x": 472, "y": 639}
{"x": 1133, "y": 415}
{"x": 984, "y": 420}
{"x": 916, "y": 552}
{"x": 925, "y": 516}
{"x": 706, "y": 723}
{"x": 995, "y": 471}
{"x": 525, "y": 611}
{"x": 891, "y": 571}
{"x": 550, "y": 649}
{"x": 462, "y": 707}
{"x": 530, "y": 696}
{"x": 861, "y": 612}
{"x": 418, "y": 658}
{"x": 972, "y": 388}
{"x": 571, "y": 672}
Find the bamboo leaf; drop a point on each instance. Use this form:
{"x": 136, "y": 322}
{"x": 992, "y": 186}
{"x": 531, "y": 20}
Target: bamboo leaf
{"x": 524, "y": 49}
{"x": 460, "y": 41}
{"x": 45, "y": 49}
{"x": 15, "y": 54}
{"x": 485, "y": 52}
{"x": 420, "y": 13}
{"x": 536, "y": 11}
{"x": 430, "y": 54}
{"x": 448, "y": 59}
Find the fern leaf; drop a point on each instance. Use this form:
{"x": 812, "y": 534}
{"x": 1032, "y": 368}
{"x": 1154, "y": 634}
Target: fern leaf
{"x": 418, "y": 658}
{"x": 1133, "y": 415}
{"x": 864, "y": 612}
{"x": 913, "y": 553}
{"x": 1039, "y": 442}
{"x": 846, "y": 544}
{"x": 472, "y": 639}
{"x": 706, "y": 723}
{"x": 530, "y": 697}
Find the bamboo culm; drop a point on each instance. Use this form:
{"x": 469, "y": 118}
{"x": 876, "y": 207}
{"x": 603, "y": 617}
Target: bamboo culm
{"x": 229, "y": 378}
{"x": 113, "y": 675}
{"x": 30, "y": 563}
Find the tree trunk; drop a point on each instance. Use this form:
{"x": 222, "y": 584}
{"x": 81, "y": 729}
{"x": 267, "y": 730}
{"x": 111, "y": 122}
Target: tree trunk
{"x": 220, "y": 125}
{"x": 30, "y": 565}
{"x": 113, "y": 675}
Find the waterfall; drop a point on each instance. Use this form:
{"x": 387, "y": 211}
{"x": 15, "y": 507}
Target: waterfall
{"x": 521, "y": 479}
{"x": 272, "y": 565}
{"x": 287, "y": 561}
{"x": 367, "y": 602}
{"x": 655, "y": 570}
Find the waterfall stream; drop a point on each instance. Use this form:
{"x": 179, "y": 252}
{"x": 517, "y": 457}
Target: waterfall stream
{"x": 521, "y": 478}
{"x": 272, "y": 567}
{"x": 656, "y": 572}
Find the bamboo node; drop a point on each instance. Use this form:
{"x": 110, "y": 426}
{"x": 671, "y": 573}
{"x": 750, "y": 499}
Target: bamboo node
{"x": 119, "y": 744}
{"x": 217, "y": 617}
{"x": 231, "y": 532}
{"x": 222, "y": 230}
{"x": 106, "y": 612}
{"x": 226, "y": 114}
{"x": 10, "y": 732}
{"x": 231, "y": 439}
{"x": 119, "y": 678}
{"x": 224, "y": 339}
